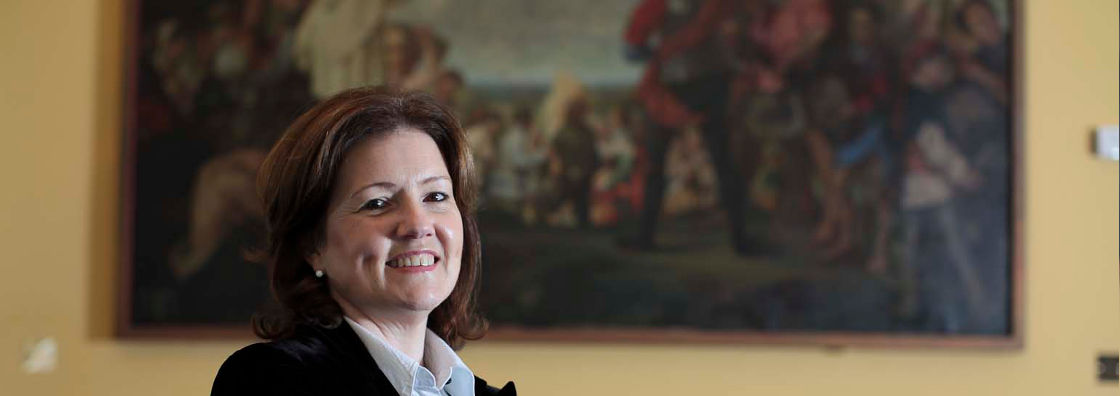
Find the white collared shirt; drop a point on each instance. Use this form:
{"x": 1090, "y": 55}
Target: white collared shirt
{"x": 451, "y": 376}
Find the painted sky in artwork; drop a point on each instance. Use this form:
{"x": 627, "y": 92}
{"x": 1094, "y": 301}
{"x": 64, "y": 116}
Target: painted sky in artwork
{"x": 526, "y": 42}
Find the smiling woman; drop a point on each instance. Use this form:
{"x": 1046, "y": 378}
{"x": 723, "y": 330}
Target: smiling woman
{"x": 369, "y": 198}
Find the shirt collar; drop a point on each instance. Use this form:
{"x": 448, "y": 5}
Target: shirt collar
{"x": 405, "y": 373}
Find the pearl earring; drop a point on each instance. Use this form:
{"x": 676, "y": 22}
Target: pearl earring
{"x": 318, "y": 273}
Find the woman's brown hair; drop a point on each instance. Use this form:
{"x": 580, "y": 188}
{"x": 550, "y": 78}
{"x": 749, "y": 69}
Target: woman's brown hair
{"x": 296, "y": 182}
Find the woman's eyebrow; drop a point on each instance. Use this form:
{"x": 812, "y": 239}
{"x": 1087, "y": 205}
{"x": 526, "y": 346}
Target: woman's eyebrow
{"x": 385, "y": 185}
{"x": 435, "y": 179}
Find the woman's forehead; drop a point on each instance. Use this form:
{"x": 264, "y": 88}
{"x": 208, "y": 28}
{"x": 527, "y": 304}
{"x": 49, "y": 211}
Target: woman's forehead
{"x": 405, "y": 155}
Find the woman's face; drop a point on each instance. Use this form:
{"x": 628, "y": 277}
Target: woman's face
{"x": 394, "y": 237}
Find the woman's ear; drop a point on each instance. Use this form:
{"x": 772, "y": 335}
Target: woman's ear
{"x": 314, "y": 260}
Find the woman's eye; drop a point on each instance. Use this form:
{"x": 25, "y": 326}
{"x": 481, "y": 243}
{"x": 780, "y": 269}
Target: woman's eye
{"x": 374, "y": 204}
{"x": 437, "y": 197}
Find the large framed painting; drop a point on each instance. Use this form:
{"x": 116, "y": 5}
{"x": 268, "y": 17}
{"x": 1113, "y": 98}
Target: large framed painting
{"x": 790, "y": 171}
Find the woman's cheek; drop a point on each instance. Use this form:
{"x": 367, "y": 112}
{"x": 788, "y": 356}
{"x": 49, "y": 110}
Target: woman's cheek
{"x": 450, "y": 234}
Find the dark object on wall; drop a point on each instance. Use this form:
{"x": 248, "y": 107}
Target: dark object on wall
{"x": 1108, "y": 368}
{"x": 800, "y": 171}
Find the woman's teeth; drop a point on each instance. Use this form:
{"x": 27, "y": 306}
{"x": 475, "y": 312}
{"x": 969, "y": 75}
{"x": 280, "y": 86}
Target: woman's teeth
{"x": 419, "y": 260}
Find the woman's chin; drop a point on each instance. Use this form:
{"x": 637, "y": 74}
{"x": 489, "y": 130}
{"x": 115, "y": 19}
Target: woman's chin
{"x": 421, "y": 300}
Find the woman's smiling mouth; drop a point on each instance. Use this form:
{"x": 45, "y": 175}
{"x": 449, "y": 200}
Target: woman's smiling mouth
{"x": 419, "y": 260}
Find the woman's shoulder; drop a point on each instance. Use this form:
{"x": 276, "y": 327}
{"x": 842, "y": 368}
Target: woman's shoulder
{"x": 313, "y": 361}
{"x": 283, "y": 364}
{"x": 276, "y": 365}
{"x": 257, "y": 368}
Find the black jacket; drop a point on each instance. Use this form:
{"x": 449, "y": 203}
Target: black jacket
{"x": 316, "y": 361}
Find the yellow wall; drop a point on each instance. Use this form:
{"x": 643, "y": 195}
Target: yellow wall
{"x": 59, "y": 100}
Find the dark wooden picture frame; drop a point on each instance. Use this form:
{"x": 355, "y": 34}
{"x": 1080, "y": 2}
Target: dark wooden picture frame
{"x": 869, "y": 206}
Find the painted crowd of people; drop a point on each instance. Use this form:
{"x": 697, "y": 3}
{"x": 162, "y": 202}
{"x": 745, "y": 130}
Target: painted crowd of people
{"x": 874, "y": 131}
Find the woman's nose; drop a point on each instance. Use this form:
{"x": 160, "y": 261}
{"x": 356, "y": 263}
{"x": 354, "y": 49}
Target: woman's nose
{"x": 414, "y": 222}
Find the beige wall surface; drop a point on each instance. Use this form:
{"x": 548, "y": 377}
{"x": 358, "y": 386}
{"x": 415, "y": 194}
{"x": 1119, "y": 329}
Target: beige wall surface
{"x": 60, "y": 98}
